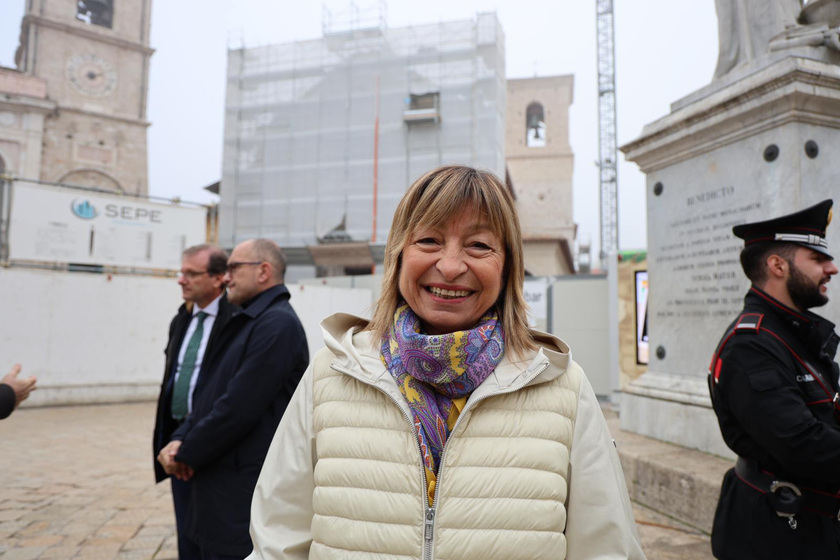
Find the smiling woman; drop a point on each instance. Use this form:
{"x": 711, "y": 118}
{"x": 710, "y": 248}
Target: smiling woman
{"x": 445, "y": 427}
{"x": 455, "y": 224}
{"x": 452, "y": 274}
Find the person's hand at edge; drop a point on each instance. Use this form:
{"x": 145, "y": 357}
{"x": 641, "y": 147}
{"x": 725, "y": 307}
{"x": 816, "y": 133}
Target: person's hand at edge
{"x": 22, "y": 387}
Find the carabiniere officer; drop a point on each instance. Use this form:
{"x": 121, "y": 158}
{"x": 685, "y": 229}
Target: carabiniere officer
{"x": 774, "y": 387}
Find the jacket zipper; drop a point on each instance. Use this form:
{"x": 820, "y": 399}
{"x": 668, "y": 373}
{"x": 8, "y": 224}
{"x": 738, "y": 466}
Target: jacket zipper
{"x": 430, "y": 527}
{"x": 470, "y": 404}
{"x": 429, "y": 522}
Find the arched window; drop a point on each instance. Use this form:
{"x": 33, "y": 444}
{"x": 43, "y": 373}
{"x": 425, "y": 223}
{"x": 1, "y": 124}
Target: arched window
{"x": 96, "y": 12}
{"x": 535, "y": 126}
{"x": 87, "y": 177}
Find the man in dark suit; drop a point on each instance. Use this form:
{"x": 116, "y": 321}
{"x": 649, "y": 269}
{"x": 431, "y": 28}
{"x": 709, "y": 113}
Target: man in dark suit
{"x": 222, "y": 445}
{"x": 193, "y": 344}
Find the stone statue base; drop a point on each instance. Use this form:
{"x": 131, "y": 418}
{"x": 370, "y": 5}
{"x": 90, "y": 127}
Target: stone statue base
{"x": 760, "y": 142}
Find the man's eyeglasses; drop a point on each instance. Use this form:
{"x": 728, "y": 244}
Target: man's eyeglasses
{"x": 232, "y": 266}
{"x": 191, "y": 274}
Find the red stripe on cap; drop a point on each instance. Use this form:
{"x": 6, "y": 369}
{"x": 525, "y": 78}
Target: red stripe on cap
{"x": 757, "y": 239}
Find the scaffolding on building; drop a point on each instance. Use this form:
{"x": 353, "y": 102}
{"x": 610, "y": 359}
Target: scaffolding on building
{"x": 301, "y": 146}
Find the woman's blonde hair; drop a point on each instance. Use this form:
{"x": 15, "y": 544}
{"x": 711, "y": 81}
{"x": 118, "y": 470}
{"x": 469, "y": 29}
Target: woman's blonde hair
{"x": 433, "y": 201}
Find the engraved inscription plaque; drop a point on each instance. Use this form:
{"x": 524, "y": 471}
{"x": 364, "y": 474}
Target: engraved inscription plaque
{"x": 700, "y": 255}
{"x": 696, "y": 281}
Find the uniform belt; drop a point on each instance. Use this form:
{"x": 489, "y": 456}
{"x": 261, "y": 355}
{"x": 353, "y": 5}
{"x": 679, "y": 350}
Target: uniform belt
{"x": 818, "y": 501}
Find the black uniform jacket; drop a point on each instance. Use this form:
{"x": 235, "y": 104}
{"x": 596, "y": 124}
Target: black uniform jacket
{"x": 236, "y": 410}
{"x": 778, "y": 411}
{"x": 164, "y": 423}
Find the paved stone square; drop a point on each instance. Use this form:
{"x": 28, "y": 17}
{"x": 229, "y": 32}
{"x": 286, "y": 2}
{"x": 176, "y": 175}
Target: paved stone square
{"x": 77, "y": 482}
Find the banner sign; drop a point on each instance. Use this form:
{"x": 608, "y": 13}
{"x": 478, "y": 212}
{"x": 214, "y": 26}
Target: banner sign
{"x": 642, "y": 341}
{"x": 536, "y": 296}
{"x": 54, "y": 224}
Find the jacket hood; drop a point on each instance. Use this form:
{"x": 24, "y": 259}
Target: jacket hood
{"x": 346, "y": 338}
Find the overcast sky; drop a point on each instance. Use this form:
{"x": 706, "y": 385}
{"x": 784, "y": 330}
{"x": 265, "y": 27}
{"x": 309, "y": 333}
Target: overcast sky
{"x": 664, "y": 51}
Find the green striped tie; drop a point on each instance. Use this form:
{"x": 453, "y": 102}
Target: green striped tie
{"x": 181, "y": 392}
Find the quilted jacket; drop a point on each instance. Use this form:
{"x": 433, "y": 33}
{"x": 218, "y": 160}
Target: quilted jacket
{"x": 529, "y": 471}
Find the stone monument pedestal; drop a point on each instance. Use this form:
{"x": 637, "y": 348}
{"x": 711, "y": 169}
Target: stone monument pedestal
{"x": 757, "y": 143}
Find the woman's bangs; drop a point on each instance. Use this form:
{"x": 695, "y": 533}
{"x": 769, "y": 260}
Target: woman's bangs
{"x": 439, "y": 207}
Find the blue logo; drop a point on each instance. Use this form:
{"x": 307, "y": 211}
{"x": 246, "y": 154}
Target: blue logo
{"x": 83, "y": 209}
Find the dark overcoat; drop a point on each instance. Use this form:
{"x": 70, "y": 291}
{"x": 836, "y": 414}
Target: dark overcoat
{"x": 773, "y": 398}
{"x": 236, "y": 410}
{"x": 164, "y": 423}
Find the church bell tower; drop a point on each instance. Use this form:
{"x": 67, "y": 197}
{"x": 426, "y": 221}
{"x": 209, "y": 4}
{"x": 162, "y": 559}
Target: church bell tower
{"x": 94, "y": 56}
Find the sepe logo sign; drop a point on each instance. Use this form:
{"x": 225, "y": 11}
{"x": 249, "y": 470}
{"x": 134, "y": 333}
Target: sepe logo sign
{"x": 83, "y": 209}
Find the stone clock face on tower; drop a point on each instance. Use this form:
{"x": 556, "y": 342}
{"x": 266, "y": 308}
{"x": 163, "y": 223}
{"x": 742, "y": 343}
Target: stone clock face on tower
{"x": 91, "y": 75}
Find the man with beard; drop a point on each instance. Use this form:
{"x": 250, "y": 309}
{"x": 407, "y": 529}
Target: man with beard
{"x": 774, "y": 387}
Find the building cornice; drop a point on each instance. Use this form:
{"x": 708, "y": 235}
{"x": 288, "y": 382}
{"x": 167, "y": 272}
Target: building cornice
{"x": 788, "y": 91}
{"x": 17, "y": 102}
{"x": 32, "y": 19}
{"x": 555, "y": 155}
{"x": 98, "y": 114}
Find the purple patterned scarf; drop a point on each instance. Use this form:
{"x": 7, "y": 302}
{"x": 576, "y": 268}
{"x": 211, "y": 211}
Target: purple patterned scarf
{"x": 431, "y": 370}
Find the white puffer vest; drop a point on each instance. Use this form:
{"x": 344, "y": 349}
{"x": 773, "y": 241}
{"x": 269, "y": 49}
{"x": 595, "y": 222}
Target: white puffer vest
{"x": 530, "y": 470}
{"x": 502, "y": 483}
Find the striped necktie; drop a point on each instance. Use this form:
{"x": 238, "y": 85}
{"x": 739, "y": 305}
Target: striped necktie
{"x": 181, "y": 392}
